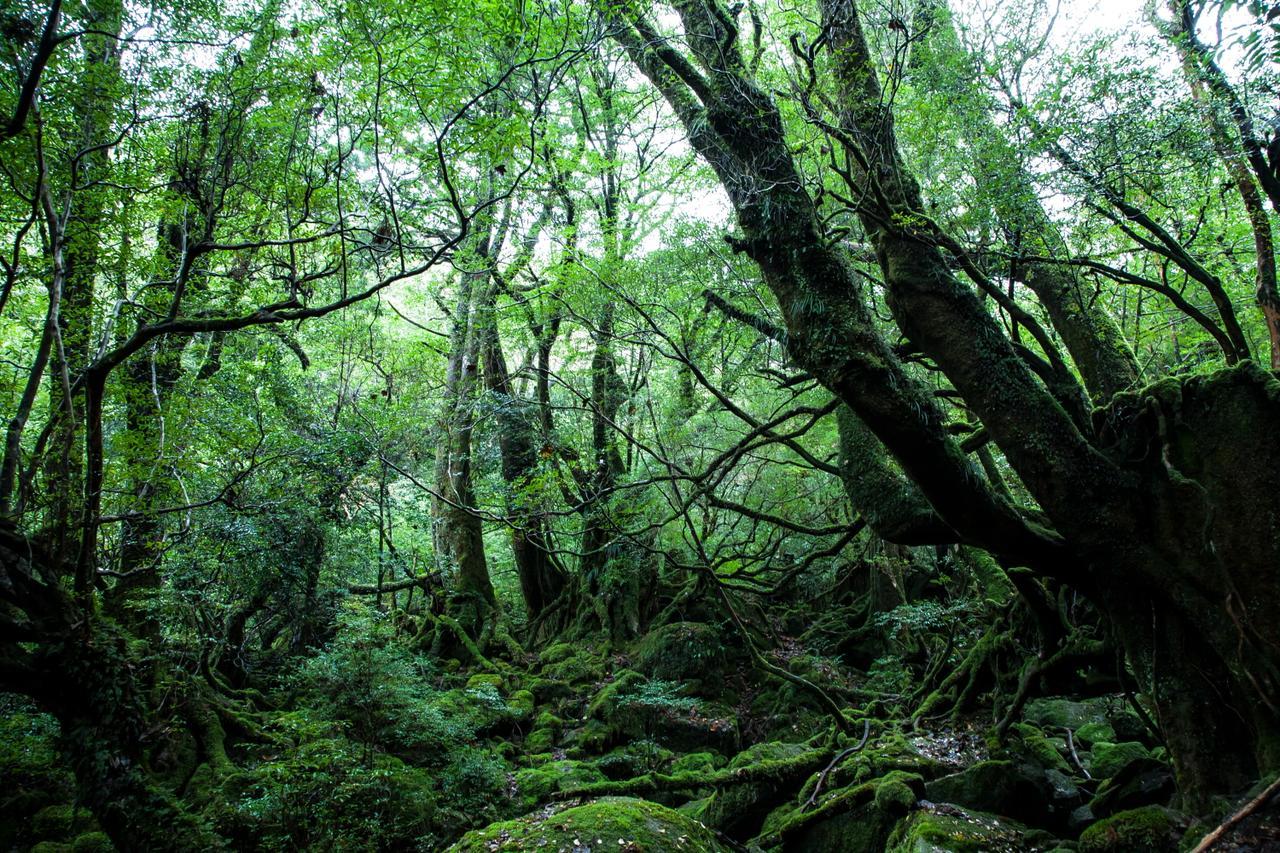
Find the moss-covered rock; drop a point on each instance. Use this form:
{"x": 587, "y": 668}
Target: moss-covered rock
{"x": 1142, "y": 782}
{"x": 546, "y": 690}
{"x": 547, "y": 720}
{"x": 610, "y": 823}
{"x": 521, "y": 703}
{"x": 481, "y": 706}
{"x": 1091, "y": 733}
{"x": 1151, "y": 829}
{"x": 536, "y": 784}
{"x": 1108, "y": 759}
{"x": 1058, "y": 714}
{"x": 609, "y": 699}
{"x": 580, "y": 667}
{"x": 855, "y": 818}
{"x": 1029, "y": 742}
{"x": 52, "y": 847}
{"x": 697, "y": 762}
{"x": 680, "y": 651}
{"x": 956, "y": 832}
{"x": 740, "y": 809}
{"x": 999, "y": 787}
{"x": 540, "y": 741}
{"x": 479, "y": 680}
{"x": 93, "y": 842}
{"x": 635, "y": 706}
{"x": 557, "y": 652}
{"x": 1088, "y": 719}
{"x": 60, "y": 822}
{"x": 634, "y": 759}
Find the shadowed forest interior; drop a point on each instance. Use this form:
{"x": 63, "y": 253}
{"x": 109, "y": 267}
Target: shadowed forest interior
{"x": 589, "y": 425}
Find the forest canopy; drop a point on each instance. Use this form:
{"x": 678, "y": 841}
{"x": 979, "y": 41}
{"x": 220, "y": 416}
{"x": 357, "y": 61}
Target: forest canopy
{"x": 537, "y": 424}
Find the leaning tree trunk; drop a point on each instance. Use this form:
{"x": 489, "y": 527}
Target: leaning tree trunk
{"x": 1104, "y": 358}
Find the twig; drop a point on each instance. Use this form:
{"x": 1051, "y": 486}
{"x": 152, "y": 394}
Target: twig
{"x": 1071, "y": 745}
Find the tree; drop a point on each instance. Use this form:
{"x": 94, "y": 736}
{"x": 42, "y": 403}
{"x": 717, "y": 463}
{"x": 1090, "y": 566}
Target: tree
{"x": 1151, "y": 505}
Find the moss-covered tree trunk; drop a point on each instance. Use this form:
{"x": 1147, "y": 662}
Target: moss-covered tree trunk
{"x": 79, "y": 667}
{"x": 1190, "y": 574}
{"x": 541, "y": 578}
{"x": 87, "y": 213}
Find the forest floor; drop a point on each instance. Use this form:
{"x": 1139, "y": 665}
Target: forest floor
{"x": 676, "y": 744}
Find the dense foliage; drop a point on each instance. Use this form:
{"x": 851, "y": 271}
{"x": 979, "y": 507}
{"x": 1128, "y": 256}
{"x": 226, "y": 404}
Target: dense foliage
{"x": 579, "y": 425}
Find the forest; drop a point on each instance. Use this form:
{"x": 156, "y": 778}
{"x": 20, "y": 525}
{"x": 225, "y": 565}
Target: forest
{"x": 594, "y": 425}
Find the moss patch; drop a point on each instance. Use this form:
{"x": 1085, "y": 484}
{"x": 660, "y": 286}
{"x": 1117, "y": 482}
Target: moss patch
{"x": 1108, "y": 759}
{"x": 610, "y": 823}
{"x": 1151, "y": 829}
{"x": 959, "y": 832}
{"x": 538, "y": 784}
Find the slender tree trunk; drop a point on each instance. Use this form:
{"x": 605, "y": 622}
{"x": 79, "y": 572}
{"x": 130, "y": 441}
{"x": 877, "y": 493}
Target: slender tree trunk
{"x": 541, "y": 578}
{"x": 1205, "y": 78}
{"x": 459, "y": 534}
{"x": 82, "y": 233}
{"x": 1105, "y": 361}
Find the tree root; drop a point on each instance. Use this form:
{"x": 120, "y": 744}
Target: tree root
{"x": 1074, "y": 648}
{"x": 822, "y": 777}
{"x": 442, "y": 622}
{"x": 958, "y": 687}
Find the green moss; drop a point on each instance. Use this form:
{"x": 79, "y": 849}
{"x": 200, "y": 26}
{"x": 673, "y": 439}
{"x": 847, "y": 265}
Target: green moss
{"x": 1063, "y": 713}
{"x": 52, "y": 847}
{"x": 927, "y": 832}
{"x": 770, "y": 751}
{"x": 606, "y": 703}
{"x": 1110, "y": 758}
{"x": 578, "y": 668}
{"x": 483, "y": 678}
{"x": 547, "y": 720}
{"x": 92, "y": 842}
{"x": 611, "y": 823}
{"x": 558, "y": 652}
{"x": 60, "y": 822}
{"x": 894, "y": 795}
{"x": 1029, "y": 741}
{"x": 24, "y": 803}
{"x": 521, "y": 704}
{"x": 535, "y": 785}
{"x": 680, "y": 651}
{"x": 1091, "y": 733}
{"x": 634, "y": 759}
{"x": 539, "y": 741}
{"x": 1150, "y": 829}
{"x": 857, "y": 817}
{"x": 590, "y": 739}
{"x": 696, "y": 762}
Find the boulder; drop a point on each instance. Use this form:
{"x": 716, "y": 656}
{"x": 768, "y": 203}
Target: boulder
{"x": 681, "y": 651}
{"x": 1151, "y": 829}
{"x": 940, "y": 830}
{"x": 610, "y": 823}
{"x": 1108, "y": 759}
